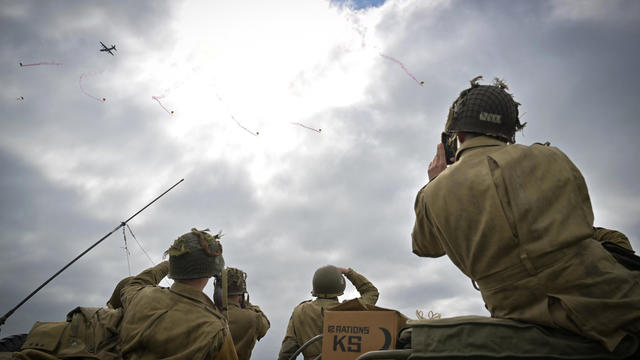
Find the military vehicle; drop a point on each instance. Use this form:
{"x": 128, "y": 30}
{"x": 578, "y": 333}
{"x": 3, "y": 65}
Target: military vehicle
{"x": 479, "y": 337}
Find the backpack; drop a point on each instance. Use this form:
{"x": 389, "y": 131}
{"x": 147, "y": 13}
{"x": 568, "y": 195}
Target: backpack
{"x": 88, "y": 333}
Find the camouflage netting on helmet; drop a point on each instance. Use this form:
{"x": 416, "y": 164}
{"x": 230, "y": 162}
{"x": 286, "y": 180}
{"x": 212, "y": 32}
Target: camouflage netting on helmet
{"x": 194, "y": 255}
{"x": 328, "y": 282}
{"x": 485, "y": 109}
{"x": 236, "y": 281}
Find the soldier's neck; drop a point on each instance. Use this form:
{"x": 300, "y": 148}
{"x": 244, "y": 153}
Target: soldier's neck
{"x": 197, "y": 284}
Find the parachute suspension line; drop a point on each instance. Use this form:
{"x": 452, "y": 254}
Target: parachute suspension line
{"x": 421, "y": 83}
{"x": 256, "y": 133}
{"x": 85, "y": 92}
{"x": 126, "y": 248}
{"x": 4, "y": 318}
{"x": 307, "y": 127}
{"x": 157, "y": 98}
{"x": 41, "y": 63}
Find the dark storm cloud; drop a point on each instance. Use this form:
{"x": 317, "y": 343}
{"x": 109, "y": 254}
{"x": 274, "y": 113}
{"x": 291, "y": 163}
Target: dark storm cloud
{"x": 442, "y": 285}
{"x": 42, "y": 228}
{"x": 67, "y": 23}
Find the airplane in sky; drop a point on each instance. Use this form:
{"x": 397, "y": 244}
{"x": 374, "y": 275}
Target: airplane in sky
{"x": 108, "y": 49}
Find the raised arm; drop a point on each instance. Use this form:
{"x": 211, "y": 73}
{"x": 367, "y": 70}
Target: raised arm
{"x": 423, "y": 238}
{"x": 151, "y": 276}
{"x": 262, "y": 322}
{"x": 368, "y": 292}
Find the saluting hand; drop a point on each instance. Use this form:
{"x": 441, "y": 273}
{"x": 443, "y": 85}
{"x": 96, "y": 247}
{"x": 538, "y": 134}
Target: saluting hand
{"x": 343, "y": 270}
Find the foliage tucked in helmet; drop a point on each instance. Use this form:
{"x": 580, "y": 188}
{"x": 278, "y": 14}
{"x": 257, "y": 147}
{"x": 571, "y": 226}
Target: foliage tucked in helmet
{"x": 485, "y": 109}
{"x": 328, "y": 282}
{"x": 196, "y": 254}
{"x": 236, "y": 281}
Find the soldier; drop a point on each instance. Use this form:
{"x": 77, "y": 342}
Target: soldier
{"x": 612, "y": 236}
{"x": 247, "y": 322}
{"x": 518, "y": 221}
{"x": 306, "y": 319}
{"x": 180, "y": 322}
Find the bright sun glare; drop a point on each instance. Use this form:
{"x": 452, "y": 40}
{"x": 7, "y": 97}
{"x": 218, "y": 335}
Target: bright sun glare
{"x": 236, "y": 73}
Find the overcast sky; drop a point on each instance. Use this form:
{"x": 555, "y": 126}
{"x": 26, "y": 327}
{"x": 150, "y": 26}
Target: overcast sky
{"x": 291, "y": 198}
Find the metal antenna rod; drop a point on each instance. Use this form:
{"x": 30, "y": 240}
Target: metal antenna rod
{"x": 6, "y": 316}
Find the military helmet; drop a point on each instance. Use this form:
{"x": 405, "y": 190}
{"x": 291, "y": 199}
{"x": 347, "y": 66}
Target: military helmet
{"x": 236, "y": 281}
{"x": 485, "y": 109}
{"x": 328, "y": 282}
{"x": 196, "y": 254}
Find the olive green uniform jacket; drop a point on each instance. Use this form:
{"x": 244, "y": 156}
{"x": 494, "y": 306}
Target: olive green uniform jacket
{"x": 517, "y": 220}
{"x": 171, "y": 323}
{"x": 612, "y": 236}
{"x": 247, "y": 326}
{"x": 306, "y": 319}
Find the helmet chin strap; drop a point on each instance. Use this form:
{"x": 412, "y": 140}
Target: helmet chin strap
{"x": 219, "y": 294}
{"x": 225, "y": 299}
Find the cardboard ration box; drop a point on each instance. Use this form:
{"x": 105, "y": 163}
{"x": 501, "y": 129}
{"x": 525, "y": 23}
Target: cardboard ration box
{"x": 353, "y": 328}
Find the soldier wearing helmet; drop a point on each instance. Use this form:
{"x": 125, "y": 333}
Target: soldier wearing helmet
{"x": 180, "y": 322}
{"x": 306, "y": 319}
{"x": 518, "y": 221}
{"x": 247, "y": 322}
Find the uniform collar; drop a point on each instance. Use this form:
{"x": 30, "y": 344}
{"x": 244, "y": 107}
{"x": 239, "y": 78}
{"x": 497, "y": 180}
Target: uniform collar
{"x": 191, "y": 293}
{"x": 476, "y": 142}
{"x": 333, "y": 299}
